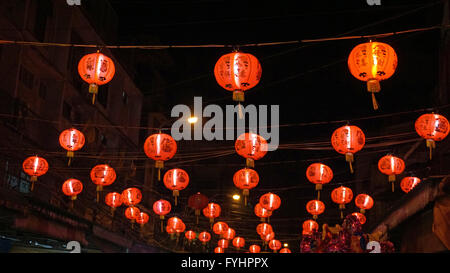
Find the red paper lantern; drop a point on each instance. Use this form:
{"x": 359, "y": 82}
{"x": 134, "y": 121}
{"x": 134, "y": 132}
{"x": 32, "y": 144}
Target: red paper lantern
{"x": 72, "y": 187}
{"x": 408, "y": 183}
{"x": 96, "y": 69}
{"x": 285, "y": 250}
{"x": 262, "y": 212}
{"x": 348, "y": 140}
{"x": 176, "y": 180}
{"x": 132, "y": 213}
{"x": 72, "y": 140}
{"x": 391, "y": 166}
{"x": 315, "y": 208}
{"x": 266, "y": 238}
{"x": 211, "y": 211}
{"x": 131, "y": 196}
{"x": 252, "y": 147}
{"x": 219, "y": 250}
{"x": 363, "y": 202}
{"x": 360, "y": 216}
{"x": 254, "y": 249}
{"x": 102, "y": 175}
{"x": 114, "y": 200}
{"x": 342, "y": 196}
{"x": 246, "y": 179}
{"x": 432, "y": 127}
{"x": 274, "y": 245}
{"x": 160, "y": 147}
{"x": 223, "y": 243}
{"x": 162, "y": 207}
{"x": 197, "y": 202}
{"x": 204, "y": 237}
{"x": 309, "y": 226}
{"x": 175, "y": 223}
{"x": 238, "y": 72}
{"x": 263, "y": 229}
{"x": 229, "y": 234}
{"x": 35, "y": 166}
{"x": 238, "y": 242}
{"x": 190, "y": 235}
{"x": 180, "y": 228}
{"x": 270, "y": 201}
{"x": 142, "y": 218}
{"x": 372, "y": 62}
{"x": 319, "y": 174}
{"x": 220, "y": 227}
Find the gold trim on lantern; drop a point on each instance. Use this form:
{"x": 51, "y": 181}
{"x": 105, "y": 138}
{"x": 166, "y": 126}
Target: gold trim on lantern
{"x": 250, "y": 162}
{"x": 238, "y": 95}
{"x": 373, "y": 85}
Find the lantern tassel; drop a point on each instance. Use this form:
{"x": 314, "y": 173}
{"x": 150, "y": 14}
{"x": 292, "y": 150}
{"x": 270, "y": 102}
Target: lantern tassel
{"x": 68, "y": 163}
{"x": 349, "y": 159}
{"x": 241, "y": 115}
{"x": 318, "y": 195}
{"x": 431, "y": 144}
{"x": 162, "y": 226}
{"x": 374, "y": 102}
{"x": 392, "y": 186}
{"x": 159, "y": 174}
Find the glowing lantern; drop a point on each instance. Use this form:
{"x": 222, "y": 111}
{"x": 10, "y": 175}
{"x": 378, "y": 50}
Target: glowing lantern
{"x": 142, "y": 219}
{"x": 267, "y": 237}
{"x": 315, "y": 208}
{"x": 198, "y": 202}
{"x": 175, "y": 223}
{"x": 35, "y": 166}
{"x": 408, "y": 183}
{"x": 211, "y": 211}
{"x": 262, "y": 212}
{"x": 220, "y": 227}
{"x": 252, "y": 147}
{"x": 72, "y": 187}
{"x": 161, "y": 208}
{"x": 132, "y": 213}
{"x": 223, "y": 243}
{"x": 432, "y": 127}
{"x": 238, "y": 72}
{"x": 319, "y": 174}
{"x": 246, "y": 179}
{"x": 114, "y": 200}
{"x": 264, "y": 229}
{"x": 171, "y": 232}
{"x": 285, "y": 250}
{"x": 342, "y": 196}
{"x": 238, "y": 242}
{"x": 309, "y": 226}
{"x": 102, "y": 175}
{"x": 72, "y": 140}
{"x": 348, "y": 140}
{"x": 160, "y": 147}
{"x": 372, "y": 62}
{"x": 270, "y": 201}
{"x": 254, "y": 249}
{"x": 176, "y": 180}
{"x": 131, "y": 196}
{"x": 204, "y": 237}
{"x": 361, "y": 218}
{"x": 219, "y": 250}
{"x": 96, "y": 69}
{"x": 274, "y": 245}
{"x": 391, "y": 166}
{"x": 229, "y": 234}
{"x": 190, "y": 235}
{"x": 363, "y": 202}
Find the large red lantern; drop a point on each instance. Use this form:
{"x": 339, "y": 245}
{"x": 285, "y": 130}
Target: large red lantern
{"x": 315, "y": 208}
{"x": 204, "y": 237}
{"x": 176, "y": 180}
{"x": 246, "y": 179}
{"x": 274, "y": 245}
{"x": 220, "y": 228}
{"x": 408, "y": 183}
{"x": 96, "y": 69}
{"x": 72, "y": 187}
{"x": 309, "y": 226}
{"x": 35, "y": 166}
{"x": 229, "y": 234}
{"x": 198, "y": 202}
{"x": 342, "y": 196}
{"x": 285, "y": 250}
{"x": 263, "y": 229}
{"x": 372, "y": 62}
{"x": 270, "y": 201}
{"x": 223, "y": 243}
{"x": 348, "y": 140}
{"x": 160, "y": 147}
{"x": 162, "y": 207}
{"x": 252, "y": 147}
{"x": 319, "y": 174}
{"x": 254, "y": 249}
{"x": 391, "y": 166}
{"x": 219, "y": 250}
{"x": 238, "y": 72}
{"x": 72, "y": 140}
{"x": 363, "y": 202}
{"x": 361, "y": 218}
{"x": 131, "y": 196}
{"x": 262, "y": 212}
{"x": 432, "y": 127}
{"x": 238, "y": 242}
{"x": 211, "y": 211}
{"x": 175, "y": 223}
{"x": 102, "y": 175}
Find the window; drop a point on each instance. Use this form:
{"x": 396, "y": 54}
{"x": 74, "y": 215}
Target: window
{"x": 26, "y": 77}
{"x": 67, "y": 111}
{"x": 43, "y": 12}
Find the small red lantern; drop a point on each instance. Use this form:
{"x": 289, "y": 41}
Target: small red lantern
{"x": 220, "y": 228}
{"x": 160, "y": 147}
{"x": 274, "y": 245}
{"x": 102, "y": 175}
{"x": 254, "y": 249}
{"x": 315, "y": 208}
{"x": 190, "y": 235}
{"x": 342, "y": 196}
{"x": 219, "y": 250}
{"x": 72, "y": 140}
{"x": 252, "y": 147}
{"x": 72, "y": 187}
{"x": 319, "y": 174}
{"x": 391, "y": 166}
{"x": 96, "y": 69}
{"x": 175, "y": 223}
{"x": 142, "y": 219}
{"x": 132, "y": 213}
{"x": 204, "y": 237}
{"x": 35, "y": 166}
{"x": 229, "y": 234}
{"x": 270, "y": 201}
{"x": 432, "y": 127}
{"x": 238, "y": 242}
{"x": 262, "y": 212}
{"x": 238, "y": 72}
{"x": 360, "y": 216}
{"x": 285, "y": 250}
{"x": 363, "y": 202}
{"x": 246, "y": 179}
{"x": 263, "y": 229}
{"x": 114, "y": 200}
{"x": 348, "y": 140}
{"x": 408, "y": 183}
{"x": 266, "y": 238}
{"x": 198, "y": 202}
{"x": 211, "y": 211}
{"x": 372, "y": 62}
{"x": 223, "y": 243}
{"x": 176, "y": 180}
{"x": 131, "y": 196}
{"x": 162, "y": 207}
{"x": 309, "y": 226}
